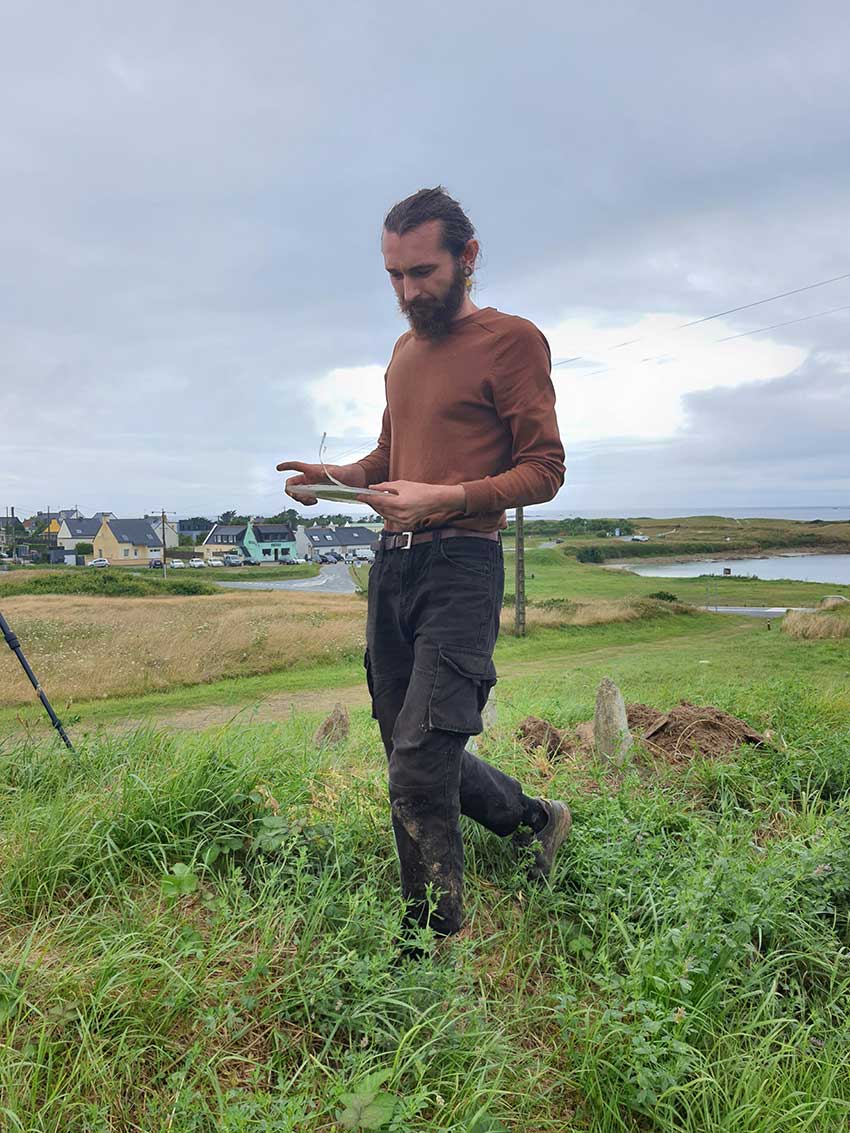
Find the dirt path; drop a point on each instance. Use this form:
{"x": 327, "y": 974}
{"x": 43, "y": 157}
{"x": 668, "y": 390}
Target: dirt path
{"x": 280, "y": 706}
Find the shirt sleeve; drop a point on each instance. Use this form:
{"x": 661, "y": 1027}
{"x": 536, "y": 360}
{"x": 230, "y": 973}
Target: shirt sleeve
{"x": 524, "y": 398}
{"x": 376, "y": 466}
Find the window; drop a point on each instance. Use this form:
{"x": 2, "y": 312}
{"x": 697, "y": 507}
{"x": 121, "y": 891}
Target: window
{"x": 126, "y": 552}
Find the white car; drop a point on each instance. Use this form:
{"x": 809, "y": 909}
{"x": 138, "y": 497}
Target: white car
{"x": 99, "y": 563}
{"x": 215, "y": 562}
{"x": 176, "y": 564}
{"x": 197, "y": 563}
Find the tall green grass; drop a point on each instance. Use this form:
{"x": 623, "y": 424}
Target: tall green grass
{"x": 118, "y": 583}
{"x": 199, "y": 934}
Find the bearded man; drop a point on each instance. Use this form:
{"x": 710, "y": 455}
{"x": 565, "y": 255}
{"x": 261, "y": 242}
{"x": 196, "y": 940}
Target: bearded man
{"x": 469, "y": 430}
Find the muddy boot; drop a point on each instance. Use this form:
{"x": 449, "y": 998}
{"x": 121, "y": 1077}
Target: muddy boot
{"x": 546, "y": 842}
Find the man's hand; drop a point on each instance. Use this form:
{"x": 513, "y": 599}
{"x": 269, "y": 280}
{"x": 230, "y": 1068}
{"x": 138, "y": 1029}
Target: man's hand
{"x": 410, "y": 503}
{"x": 315, "y": 474}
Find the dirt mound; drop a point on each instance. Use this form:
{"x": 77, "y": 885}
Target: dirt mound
{"x": 535, "y": 733}
{"x": 684, "y": 731}
{"x": 690, "y": 729}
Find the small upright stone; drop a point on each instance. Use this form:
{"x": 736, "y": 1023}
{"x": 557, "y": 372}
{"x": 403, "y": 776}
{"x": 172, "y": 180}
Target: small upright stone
{"x": 488, "y": 722}
{"x": 611, "y": 734}
{"x": 333, "y": 729}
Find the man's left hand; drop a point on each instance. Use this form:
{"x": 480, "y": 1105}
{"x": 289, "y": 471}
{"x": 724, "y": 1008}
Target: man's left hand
{"x": 411, "y": 502}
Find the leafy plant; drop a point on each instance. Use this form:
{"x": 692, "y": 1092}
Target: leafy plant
{"x": 367, "y": 1106}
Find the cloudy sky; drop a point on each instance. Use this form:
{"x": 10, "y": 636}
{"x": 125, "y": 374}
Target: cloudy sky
{"x": 190, "y": 208}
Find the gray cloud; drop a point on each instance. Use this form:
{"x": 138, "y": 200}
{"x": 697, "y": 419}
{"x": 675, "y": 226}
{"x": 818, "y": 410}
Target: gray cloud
{"x": 191, "y": 201}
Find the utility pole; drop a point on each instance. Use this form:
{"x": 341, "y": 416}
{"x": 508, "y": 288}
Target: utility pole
{"x": 519, "y": 585}
{"x": 164, "y": 567}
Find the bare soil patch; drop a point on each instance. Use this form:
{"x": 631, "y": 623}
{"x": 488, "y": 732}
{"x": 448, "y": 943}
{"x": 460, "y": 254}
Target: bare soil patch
{"x": 686, "y": 731}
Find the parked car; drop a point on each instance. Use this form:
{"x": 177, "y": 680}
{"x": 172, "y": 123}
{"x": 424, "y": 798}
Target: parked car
{"x": 176, "y": 564}
{"x": 214, "y": 562}
{"x": 99, "y": 563}
{"x": 233, "y": 560}
{"x": 197, "y": 563}
{"x": 155, "y": 564}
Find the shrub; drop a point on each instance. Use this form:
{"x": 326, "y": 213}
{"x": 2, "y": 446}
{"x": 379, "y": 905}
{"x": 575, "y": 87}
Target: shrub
{"x": 590, "y": 555}
{"x": 663, "y": 596}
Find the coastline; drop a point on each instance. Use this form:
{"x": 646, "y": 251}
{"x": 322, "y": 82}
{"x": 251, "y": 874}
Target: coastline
{"x": 727, "y": 556}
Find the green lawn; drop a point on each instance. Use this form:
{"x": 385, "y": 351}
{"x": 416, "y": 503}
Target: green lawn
{"x": 198, "y": 930}
{"x": 555, "y": 573}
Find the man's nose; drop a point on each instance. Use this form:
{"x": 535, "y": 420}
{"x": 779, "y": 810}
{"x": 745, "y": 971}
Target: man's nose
{"x": 411, "y": 290}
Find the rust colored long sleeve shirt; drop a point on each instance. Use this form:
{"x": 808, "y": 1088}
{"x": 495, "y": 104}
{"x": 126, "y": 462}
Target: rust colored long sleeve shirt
{"x": 477, "y": 409}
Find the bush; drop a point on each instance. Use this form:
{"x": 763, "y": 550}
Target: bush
{"x": 663, "y": 596}
{"x": 107, "y": 583}
{"x": 590, "y": 555}
{"x": 83, "y": 549}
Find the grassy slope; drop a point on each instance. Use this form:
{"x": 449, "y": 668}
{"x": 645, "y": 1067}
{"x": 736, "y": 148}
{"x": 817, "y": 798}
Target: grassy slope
{"x": 686, "y": 972}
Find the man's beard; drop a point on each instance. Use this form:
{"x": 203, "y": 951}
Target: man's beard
{"x": 433, "y": 318}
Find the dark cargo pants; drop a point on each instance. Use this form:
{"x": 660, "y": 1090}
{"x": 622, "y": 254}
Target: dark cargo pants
{"x": 432, "y": 626}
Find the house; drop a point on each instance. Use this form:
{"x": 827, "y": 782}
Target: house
{"x": 74, "y": 531}
{"x": 256, "y": 541}
{"x": 196, "y": 528}
{"x": 171, "y": 536}
{"x": 127, "y": 542}
{"x": 11, "y": 532}
{"x": 224, "y": 539}
{"x": 342, "y": 540}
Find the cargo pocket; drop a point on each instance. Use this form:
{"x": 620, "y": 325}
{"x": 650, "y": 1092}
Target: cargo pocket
{"x": 370, "y": 681}
{"x": 462, "y": 684}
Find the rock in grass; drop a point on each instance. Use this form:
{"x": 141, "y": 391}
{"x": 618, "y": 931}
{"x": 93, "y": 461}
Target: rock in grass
{"x": 488, "y": 721}
{"x": 611, "y": 735}
{"x": 333, "y": 729}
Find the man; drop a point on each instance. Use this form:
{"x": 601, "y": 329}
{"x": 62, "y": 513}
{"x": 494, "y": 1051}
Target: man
{"x": 469, "y": 430}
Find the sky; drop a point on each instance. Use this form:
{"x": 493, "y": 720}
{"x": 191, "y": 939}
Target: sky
{"x": 191, "y": 200}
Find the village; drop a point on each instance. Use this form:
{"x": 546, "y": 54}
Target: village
{"x": 68, "y": 537}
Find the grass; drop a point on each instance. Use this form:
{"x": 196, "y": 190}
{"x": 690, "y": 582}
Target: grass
{"x": 197, "y": 931}
{"x": 85, "y": 647}
{"x": 555, "y": 573}
{"x": 831, "y": 622}
{"x": 119, "y": 582}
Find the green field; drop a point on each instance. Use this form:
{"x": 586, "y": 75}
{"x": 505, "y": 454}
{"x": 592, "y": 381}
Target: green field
{"x": 198, "y": 930}
{"x": 199, "y": 927}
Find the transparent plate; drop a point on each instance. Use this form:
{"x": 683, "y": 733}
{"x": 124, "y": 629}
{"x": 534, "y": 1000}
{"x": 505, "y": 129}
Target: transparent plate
{"x": 339, "y": 492}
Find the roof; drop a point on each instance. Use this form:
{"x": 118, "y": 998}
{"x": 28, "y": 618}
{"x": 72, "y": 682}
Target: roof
{"x": 320, "y": 535}
{"x": 354, "y": 536}
{"x": 136, "y": 531}
{"x": 82, "y": 528}
{"x": 273, "y": 532}
{"x": 227, "y": 531}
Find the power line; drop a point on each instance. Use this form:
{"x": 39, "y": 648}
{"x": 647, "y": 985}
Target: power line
{"x": 758, "y": 303}
{"x": 719, "y": 314}
{"x": 790, "y": 322}
{"x": 728, "y": 338}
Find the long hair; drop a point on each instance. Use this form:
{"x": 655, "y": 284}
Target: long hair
{"x": 432, "y": 204}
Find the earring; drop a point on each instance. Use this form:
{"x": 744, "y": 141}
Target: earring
{"x": 467, "y": 271}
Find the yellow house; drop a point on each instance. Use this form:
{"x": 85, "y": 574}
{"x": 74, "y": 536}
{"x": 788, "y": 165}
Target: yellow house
{"x": 127, "y": 542}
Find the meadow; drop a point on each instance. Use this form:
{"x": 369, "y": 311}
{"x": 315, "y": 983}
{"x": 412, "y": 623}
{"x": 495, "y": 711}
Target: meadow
{"x": 199, "y": 931}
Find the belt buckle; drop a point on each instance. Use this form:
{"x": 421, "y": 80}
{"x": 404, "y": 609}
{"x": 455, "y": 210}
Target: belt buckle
{"x": 408, "y": 535}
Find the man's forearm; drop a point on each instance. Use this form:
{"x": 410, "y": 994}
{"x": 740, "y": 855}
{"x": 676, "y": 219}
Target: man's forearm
{"x": 351, "y": 474}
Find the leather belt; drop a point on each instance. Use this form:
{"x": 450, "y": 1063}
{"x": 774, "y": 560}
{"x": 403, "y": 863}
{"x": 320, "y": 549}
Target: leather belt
{"x": 404, "y": 540}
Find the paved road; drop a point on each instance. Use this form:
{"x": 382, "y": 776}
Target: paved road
{"x": 332, "y": 579}
{"x": 755, "y": 611}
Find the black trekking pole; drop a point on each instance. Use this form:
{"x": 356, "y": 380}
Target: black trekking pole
{"x": 15, "y": 646}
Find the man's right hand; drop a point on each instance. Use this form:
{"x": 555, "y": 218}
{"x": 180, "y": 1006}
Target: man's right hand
{"x": 315, "y": 474}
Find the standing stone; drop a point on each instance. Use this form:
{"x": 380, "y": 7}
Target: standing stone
{"x": 488, "y": 721}
{"x": 611, "y": 733}
{"x": 334, "y": 728}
